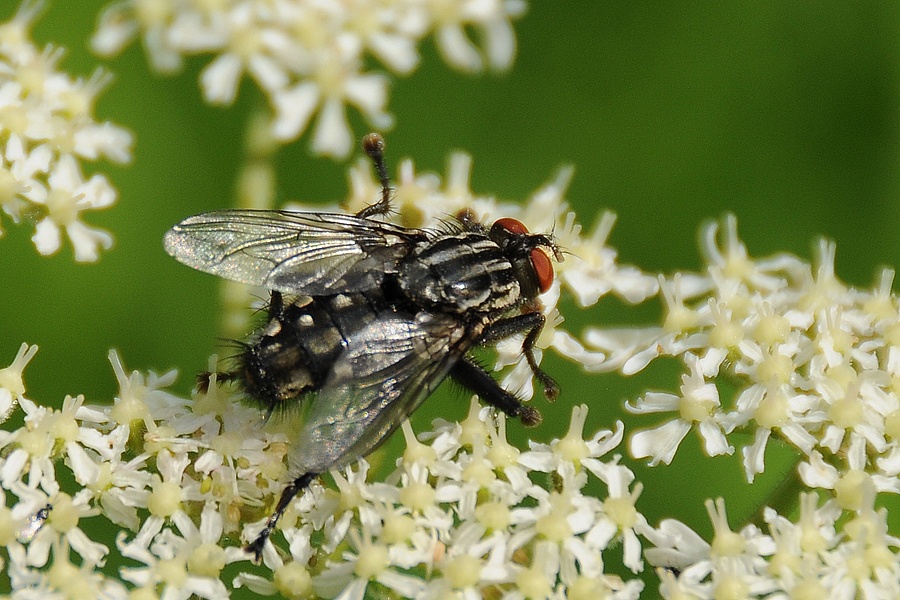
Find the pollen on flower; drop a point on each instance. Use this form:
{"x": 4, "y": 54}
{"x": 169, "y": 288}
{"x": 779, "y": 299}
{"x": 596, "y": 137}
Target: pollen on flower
{"x": 66, "y": 577}
{"x": 292, "y": 580}
{"x": 494, "y": 516}
{"x": 725, "y": 542}
{"x": 846, "y": 412}
{"x": 64, "y": 516}
{"x": 775, "y": 368}
{"x": 173, "y": 572}
{"x": 165, "y": 498}
{"x": 206, "y": 560}
{"x": 417, "y": 496}
{"x": 851, "y": 488}
{"x": 772, "y": 410}
{"x": 554, "y": 526}
{"x": 572, "y": 446}
{"x": 771, "y": 329}
{"x": 462, "y": 571}
{"x": 532, "y": 583}
{"x": 63, "y": 426}
{"x": 621, "y": 511}
{"x": 479, "y": 472}
{"x": 695, "y": 409}
{"x": 372, "y": 561}
{"x": 474, "y": 430}
{"x": 416, "y": 451}
{"x": 398, "y": 528}
{"x": 724, "y": 333}
{"x": 12, "y": 384}
{"x": 731, "y": 586}
{"x": 36, "y": 442}
{"x": 501, "y": 453}
{"x": 11, "y": 377}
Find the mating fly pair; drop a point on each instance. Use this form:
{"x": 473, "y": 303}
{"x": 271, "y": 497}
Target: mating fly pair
{"x": 367, "y": 318}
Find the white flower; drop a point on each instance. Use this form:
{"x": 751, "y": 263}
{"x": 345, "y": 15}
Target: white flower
{"x": 12, "y": 386}
{"x": 573, "y": 448}
{"x": 68, "y": 196}
{"x": 851, "y": 483}
{"x": 593, "y": 271}
{"x": 810, "y": 557}
{"x": 290, "y": 578}
{"x": 366, "y": 561}
{"x": 47, "y": 120}
{"x": 308, "y": 56}
{"x": 698, "y": 403}
{"x": 452, "y": 18}
{"x": 337, "y": 82}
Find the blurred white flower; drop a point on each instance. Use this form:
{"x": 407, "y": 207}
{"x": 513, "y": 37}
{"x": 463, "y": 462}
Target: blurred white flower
{"x": 310, "y": 57}
{"x": 47, "y": 127}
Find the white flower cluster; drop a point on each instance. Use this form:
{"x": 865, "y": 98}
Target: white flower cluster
{"x": 461, "y": 516}
{"x": 826, "y": 554}
{"x": 310, "y": 56}
{"x": 817, "y": 363}
{"x": 188, "y": 480}
{"x": 47, "y": 127}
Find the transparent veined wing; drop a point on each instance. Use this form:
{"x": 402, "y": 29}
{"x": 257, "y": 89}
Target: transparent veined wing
{"x": 294, "y": 252}
{"x": 387, "y": 370}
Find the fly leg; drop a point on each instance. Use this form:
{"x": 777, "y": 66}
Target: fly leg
{"x": 276, "y": 305}
{"x": 295, "y": 487}
{"x": 532, "y": 323}
{"x": 469, "y": 374}
{"x": 373, "y": 144}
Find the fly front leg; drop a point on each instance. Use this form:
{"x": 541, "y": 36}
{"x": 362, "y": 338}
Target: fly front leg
{"x": 532, "y": 323}
{"x": 469, "y": 374}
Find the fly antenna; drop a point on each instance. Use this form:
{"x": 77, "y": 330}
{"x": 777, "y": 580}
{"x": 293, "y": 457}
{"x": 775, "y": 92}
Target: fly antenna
{"x": 373, "y": 145}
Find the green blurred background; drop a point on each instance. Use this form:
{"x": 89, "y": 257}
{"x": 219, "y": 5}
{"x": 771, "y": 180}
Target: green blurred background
{"x": 784, "y": 113}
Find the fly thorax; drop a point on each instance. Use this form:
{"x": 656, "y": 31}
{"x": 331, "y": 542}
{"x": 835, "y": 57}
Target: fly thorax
{"x": 459, "y": 273}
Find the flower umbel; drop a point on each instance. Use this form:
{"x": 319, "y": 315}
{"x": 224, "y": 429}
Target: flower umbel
{"x": 814, "y": 359}
{"x": 47, "y": 128}
{"x": 825, "y": 553}
{"x": 309, "y": 58}
{"x": 435, "y": 525}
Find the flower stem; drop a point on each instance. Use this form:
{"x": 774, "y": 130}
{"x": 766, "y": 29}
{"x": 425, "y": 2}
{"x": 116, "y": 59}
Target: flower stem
{"x": 784, "y": 497}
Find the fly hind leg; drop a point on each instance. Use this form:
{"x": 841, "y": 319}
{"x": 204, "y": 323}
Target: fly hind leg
{"x": 373, "y": 144}
{"x": 289, "y": 493}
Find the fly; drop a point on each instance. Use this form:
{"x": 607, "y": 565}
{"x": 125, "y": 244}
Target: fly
{"x": 367, "y": 318}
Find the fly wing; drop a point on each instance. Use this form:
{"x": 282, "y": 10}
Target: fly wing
{"x": 294, "y": 252}
{"x": 386, "y": 371}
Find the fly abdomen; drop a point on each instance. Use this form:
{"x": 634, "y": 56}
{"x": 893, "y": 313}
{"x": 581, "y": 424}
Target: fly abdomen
{"x": 293, "y": 354}
{"x": 465, "y": 272}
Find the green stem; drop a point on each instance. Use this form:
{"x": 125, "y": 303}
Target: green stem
{"x": 784, "y": 497}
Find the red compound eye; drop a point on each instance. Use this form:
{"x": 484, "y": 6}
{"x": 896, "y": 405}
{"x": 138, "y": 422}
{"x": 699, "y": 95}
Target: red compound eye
{"x": 511, "y": 225}
{"x": 543, "y": 268}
